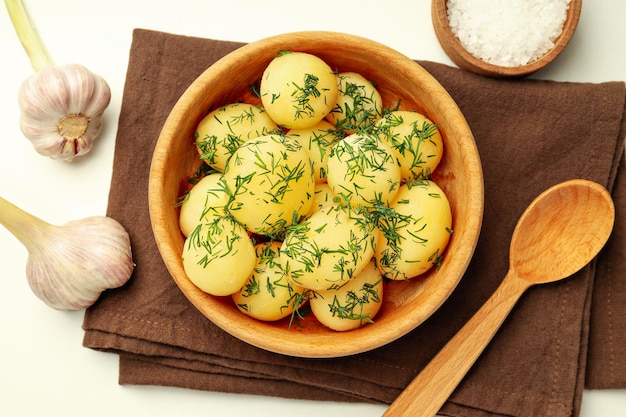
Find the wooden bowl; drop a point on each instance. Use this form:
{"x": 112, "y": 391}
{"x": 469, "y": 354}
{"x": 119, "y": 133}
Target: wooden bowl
{"x": 407, "y": 303}
{"x": 465, "y": 60}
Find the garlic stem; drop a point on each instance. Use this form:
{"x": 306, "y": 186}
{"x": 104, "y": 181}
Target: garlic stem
{"x": 27, "y": 33}
{"x": 24, "y": 226}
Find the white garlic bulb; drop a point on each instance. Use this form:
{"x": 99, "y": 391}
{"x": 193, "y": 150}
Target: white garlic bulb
{"x": 61, "y": 105}
{"x": 69, "y": 266}
{"x": 61, "y": 110}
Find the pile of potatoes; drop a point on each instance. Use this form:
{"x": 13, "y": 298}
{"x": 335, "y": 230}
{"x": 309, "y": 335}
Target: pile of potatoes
{"x": 318, "y": 195}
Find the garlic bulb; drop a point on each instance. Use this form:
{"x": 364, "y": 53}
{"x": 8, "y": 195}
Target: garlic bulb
{"x": 69, "y": 266}
{"x": 61, "y": 106}
{"x": 61, "y": 110}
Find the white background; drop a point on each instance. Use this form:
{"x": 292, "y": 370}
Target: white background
{"x": 44, "y": 370}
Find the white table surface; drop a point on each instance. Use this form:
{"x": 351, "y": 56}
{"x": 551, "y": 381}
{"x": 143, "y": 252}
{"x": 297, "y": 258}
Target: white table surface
{"x": 44, "y": 370}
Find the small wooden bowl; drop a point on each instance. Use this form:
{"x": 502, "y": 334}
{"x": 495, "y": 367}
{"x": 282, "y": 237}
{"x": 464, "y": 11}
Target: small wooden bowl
{"x": 461, "y": 57}
{"x": 407, "y": 303}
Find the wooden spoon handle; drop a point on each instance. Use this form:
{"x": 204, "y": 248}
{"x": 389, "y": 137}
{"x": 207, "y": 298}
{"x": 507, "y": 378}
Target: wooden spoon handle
{"x": 430, "y": 389}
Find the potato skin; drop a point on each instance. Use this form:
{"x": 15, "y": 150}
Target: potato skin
{"x": 223, "y": 130}
{"x": 353, "y": 305}
{"x": 323, "y": 198}
{"x": 205, "y": 201}
{"x": 363, "y": 171}
{"x": 270, "y": 183}
{"x": 318, "y": 140}
{"x": 298, "y": 89}
{"x": 359, "y": 104}
{"x": 416, "y": 142}
{"x": 267, "y": 294}
{"x": 326, "y": 250}
{"x": 416, "y": 232}
{"x": 218, "y": 256}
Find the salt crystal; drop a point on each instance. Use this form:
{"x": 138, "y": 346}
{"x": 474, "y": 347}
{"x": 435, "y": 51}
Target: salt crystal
{"x": 507, "y": 32}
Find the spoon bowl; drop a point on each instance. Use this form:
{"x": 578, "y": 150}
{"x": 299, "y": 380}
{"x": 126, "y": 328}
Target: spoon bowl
{"x": 559, "y": 233}
{"x": 574, "y": 227}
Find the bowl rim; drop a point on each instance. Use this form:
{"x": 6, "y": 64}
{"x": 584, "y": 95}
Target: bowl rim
{"x": 332, "y": 344}
{"x": 460, "y": 56}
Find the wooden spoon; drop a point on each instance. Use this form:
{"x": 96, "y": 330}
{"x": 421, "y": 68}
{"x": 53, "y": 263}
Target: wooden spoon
{"x": 561, "y": 231}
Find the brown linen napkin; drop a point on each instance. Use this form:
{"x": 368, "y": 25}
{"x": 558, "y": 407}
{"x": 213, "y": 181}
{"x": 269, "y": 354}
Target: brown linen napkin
{"x": 530, "y": 134}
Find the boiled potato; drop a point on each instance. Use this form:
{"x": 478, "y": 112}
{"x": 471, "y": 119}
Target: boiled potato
{"x": 267, "y": 294}
{"x": 414, "y": 232}
{"x": 415, "y": 140}
{"x": 223, "y": 130}
{"x": 318, "y": 140}
{"x": 329, "y": 248}
{"x": 204, "y": 201}
{"x": 363, "y": 171}
{"x": 270, "y": 183}
{"x": 298, "y": 89}
{"x": 323, "y": 198}
{"x": 359, "y": 104}
{"x": 353, "y": 305}
{"x": 218, "y": 256}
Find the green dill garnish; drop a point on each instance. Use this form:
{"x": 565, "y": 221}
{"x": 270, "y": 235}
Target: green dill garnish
{"x": 306, "y": 250}
{"x": 359, "y": 110}
{"x": 352, "y": 307}
{"x": 408, "y": 145}
{"x": 212, "y": 240}
{"x": 255, "y": 88}
{"x": 362, "y": 158}
{"x": 302, "y": 95}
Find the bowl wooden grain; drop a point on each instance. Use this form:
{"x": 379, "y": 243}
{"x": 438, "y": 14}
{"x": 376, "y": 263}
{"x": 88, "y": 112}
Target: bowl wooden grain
{"x": 407, "y": 303}
{"x": 461, "y": 57}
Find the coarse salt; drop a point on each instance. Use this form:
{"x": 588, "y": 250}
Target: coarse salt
{"x": 507, "y": 33}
